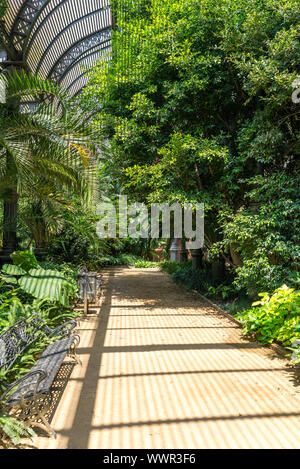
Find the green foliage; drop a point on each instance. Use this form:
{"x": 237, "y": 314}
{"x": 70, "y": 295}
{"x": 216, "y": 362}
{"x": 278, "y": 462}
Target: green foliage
{"x": 69, "y": 246}
{"x": 222, "y": 291}
{"x": 296, "y": 347}
{"x": 13, "y": 429}
{"x": 45, "y": 155}
{"x": 170, "y": 267}
{"x": 3, "y": 7}
{"x": 75, "y": 240}
{"x": 197, "y": 107}
{"x": 275, "y": 317}
{"x": 38, "y": 282}
{"x": 195, "y": 279}
{"x": 146, "y": 264}
{"x": 239, "y": 304}
{"x": 25, "y": 260}
{"x": 121, "y": 259}
{"x": 13, "y": 270}
{"x": 15, "y": 305}
{"x": 266, "y": 236}
{"x": 202, "y": 279}
{"x": 294, "y": 280}
{"x": 49, "y": 284}
{"x": 69, "y": 271}
{"x": 11, "y": 308}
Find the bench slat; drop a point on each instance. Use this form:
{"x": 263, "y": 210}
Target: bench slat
{"x": 49, "y": 362}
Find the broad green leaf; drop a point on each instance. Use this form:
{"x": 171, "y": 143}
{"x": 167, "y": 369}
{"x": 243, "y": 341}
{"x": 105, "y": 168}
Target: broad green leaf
{"x": 47, "y": 284}
{"x": 9, "y": 279}
{"x": 24, "y": 259}
{"x": 13, "y": 270}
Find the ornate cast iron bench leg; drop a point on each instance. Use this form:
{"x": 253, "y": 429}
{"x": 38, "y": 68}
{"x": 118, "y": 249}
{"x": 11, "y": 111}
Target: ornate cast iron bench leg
{"x": 33, "y": 410}
{"x": 38, "y": 409}
{"x": 72, "y": 353}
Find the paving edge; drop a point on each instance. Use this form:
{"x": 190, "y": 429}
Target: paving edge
{"x": 275, "y": 347}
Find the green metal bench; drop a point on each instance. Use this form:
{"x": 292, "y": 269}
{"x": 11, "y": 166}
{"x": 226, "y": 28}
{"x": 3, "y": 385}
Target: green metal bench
{"x": 30, "y": 397}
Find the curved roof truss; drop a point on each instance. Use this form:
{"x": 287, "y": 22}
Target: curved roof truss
{"x": 55, "y": 38}
{"x": 70, "y": 62}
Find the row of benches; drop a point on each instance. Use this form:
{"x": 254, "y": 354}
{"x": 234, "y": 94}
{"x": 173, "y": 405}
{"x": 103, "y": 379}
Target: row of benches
{"x": 30, "y": 397}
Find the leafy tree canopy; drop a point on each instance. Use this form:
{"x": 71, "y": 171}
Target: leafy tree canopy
{"x": 197, "y": 106}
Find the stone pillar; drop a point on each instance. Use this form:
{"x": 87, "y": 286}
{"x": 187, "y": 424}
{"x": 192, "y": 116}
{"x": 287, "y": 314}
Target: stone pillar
{"x": 197, "y": 255}
{"x": 177, "y": 251}
{"x": 10, "y": 208}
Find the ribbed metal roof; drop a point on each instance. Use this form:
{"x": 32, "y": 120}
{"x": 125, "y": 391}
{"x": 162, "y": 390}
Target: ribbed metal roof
{"x": 60, "y": 39}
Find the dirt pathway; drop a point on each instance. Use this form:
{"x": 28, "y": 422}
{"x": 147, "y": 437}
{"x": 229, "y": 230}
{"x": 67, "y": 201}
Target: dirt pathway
{"x": 161, "y": 369}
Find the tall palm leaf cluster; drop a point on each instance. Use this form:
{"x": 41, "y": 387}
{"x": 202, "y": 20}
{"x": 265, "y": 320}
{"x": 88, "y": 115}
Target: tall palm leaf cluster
{"x": 46, "y": 153}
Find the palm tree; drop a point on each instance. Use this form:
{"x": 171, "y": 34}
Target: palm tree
{"x": 45, "y": 148}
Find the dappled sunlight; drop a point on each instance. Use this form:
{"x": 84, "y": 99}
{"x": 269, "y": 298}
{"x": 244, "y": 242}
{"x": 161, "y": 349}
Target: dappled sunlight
{"x": 149, "y": 245}
{"x": 177, "y": 382}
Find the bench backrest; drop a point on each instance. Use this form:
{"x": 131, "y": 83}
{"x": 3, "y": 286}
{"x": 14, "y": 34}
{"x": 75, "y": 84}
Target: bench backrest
{"x": 18, "y": 337}
{"x": 89, "y": 284}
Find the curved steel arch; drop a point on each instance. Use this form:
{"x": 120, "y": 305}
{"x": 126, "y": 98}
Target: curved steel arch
{"x": 23, "y": 28}
{"x": 26, "y": 17}
{"x": 77, "y": 78}
{"x": 64, "y": 30}
{"x": 29, "y": 41}
{"x": 84, "y": 69}
{"x": 77, "y": 49}
{"x": 75, "y": 81}
{"x": 82, "y": 57}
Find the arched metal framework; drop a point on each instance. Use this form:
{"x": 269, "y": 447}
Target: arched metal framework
{"x": 59, "y": 39}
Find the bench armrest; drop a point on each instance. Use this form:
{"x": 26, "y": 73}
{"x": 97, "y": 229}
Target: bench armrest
{"x": 18, "y": 384}
{"x": 65, "y": 329}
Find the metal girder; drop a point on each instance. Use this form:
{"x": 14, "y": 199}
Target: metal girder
{"x": 26, "y": 17}
{"x": 24, "y": 23}
{"x": 75, "y": 81}
{"x": 12, "y": 53}
{"x": 68, "y": 27}
{"x": 76, "y": 50}
{"x": 79, "y": 76}
{"x": 29, "y": 41}
{"x": 83, "y": 57}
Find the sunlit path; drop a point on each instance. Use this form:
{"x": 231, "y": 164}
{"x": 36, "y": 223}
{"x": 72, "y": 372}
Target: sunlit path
{"x": 162, "y": 370}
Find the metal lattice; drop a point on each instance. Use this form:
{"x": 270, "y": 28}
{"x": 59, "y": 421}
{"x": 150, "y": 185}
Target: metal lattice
{"x": 24, "y": 21}
{"x": 59, "y": 39}
{"x": 78, "y": 51}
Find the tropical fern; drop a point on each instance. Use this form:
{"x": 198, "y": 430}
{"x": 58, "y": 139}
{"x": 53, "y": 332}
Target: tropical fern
{"x": 14, "y": 430}
{"x": 45, "y": 154}
{"x": 3, "y": 6}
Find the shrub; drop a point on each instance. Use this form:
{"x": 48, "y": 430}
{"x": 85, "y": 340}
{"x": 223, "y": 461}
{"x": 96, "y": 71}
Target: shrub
{"x": 170, "y": 267}
{"x": 121, "y": 259}
{"x": 69, "y": 246}
{"x": 239, "y": 304}
{"x": 194, "y": 279}
{"x": 296, "y": 347}
{"x": 274, "y": 318}
{"x": 146, "y": 264}
{"x": 36, "y": 281}
{"x": 15, "y": 304}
